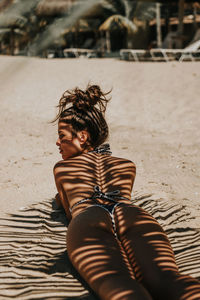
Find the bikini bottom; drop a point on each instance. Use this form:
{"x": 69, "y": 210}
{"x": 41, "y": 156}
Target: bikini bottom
{"x": 109, "y": 208}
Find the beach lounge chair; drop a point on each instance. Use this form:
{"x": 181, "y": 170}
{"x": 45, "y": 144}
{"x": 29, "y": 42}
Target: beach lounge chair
{"x": 191, "y": 52}
{"x": 134, "y": 54}
{"x": 78, "y": 52}
{"x": 159, "y": 54}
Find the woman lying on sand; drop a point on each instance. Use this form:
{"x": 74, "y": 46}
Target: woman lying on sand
{"x": 118, "y": 248}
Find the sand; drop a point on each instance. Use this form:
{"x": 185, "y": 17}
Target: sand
{"x": 153, "y": 118}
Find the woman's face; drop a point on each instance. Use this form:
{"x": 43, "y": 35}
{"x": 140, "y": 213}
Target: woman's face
{"x": 69, "y": 146}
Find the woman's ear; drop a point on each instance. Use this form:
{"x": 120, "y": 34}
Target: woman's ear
{"x": 83, "y": 137}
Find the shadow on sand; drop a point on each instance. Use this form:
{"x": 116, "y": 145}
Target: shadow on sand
{"x": 33, "y": 259}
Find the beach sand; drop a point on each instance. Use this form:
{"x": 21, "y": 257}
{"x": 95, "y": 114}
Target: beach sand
{"x": 153, "y": 118}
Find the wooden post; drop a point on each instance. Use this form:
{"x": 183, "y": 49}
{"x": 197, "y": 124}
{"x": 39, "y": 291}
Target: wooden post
{"x": 12, "y": 41}
{"x": 195, "y": 16}
{"x": 180, "y": 22}
{"x": 108, "y": 42}
{"x": 76, "y": 33}
{"x": 102, "y": 45}
{"x": 158, "y": 26}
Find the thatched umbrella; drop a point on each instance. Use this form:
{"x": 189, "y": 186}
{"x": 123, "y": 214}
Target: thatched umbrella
{"x": 52, "y": 8}
{"x": 81, "y": 26}
{"x": 56, "y": 28}
{"x": 14, "y": 24}
{"x": 4, "y": 4}
{"x": 117, "y": 22}
{"x": 48, "y": 11}
{"x": 15, "y": 17}
{"x": 14, "y": 36}
{"x": 11, "y": 20}
{"x": 3, "y": 33}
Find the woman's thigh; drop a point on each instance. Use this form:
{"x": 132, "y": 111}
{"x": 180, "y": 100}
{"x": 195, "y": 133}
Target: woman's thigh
{"x": 150, "y": 254}
{"x": 99, "y": 258}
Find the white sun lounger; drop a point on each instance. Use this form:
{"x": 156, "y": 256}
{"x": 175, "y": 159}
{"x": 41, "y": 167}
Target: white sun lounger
{"x": 78, "y": 52}
{"x": 190, "y": 52}
{"x": 135, "y": 54}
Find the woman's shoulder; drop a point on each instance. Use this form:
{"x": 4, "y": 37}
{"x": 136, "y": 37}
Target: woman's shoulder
{"x": 70, "y": 162}
{"x": 61, "y": 164}
{"x": 122, "y": 160}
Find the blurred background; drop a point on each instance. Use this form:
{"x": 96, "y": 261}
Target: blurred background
{"x": 95, "y": 28}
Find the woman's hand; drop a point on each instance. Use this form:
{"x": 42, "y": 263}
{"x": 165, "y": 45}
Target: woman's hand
{"x": 58, "y": 200}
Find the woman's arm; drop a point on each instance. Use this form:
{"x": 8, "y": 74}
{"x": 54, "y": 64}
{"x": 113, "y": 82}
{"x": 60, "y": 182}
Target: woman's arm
{"x": 61, "y": 197}
{"x": 133, "y": 173}
{"x": 58, "y": 201}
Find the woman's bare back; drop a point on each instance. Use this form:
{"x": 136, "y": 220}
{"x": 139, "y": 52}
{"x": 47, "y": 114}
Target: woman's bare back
{"x": 77, "y": 177}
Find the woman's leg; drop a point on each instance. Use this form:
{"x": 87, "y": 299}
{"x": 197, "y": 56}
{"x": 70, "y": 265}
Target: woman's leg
{"x": 98, "y": 257}
{"x": 150, "y": 253}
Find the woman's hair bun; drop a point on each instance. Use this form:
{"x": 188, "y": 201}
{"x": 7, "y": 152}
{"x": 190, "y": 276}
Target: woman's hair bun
{"x": 87, "y": 99}
{"x": 84, "y": 100}
{"x": 94, "y": 94}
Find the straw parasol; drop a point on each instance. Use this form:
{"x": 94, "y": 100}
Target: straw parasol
{"x": 117, "y": 22}
{"x": 4, "y": 4}
{"x": 53, "y": 7}
{"x": 12, "y": 20}
{"x": 3, "y": 33}
{"x": 14, "y": 24}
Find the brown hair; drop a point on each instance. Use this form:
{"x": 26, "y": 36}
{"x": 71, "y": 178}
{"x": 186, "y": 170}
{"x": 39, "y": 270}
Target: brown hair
{"x": 86, "y": 113}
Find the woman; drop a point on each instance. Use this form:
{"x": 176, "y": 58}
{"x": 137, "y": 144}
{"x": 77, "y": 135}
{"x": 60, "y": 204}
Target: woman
{"x": 118, "y": 248}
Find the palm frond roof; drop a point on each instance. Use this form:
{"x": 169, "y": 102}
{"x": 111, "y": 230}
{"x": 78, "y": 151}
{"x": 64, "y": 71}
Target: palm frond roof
{"x": 53, "y": 7}
{"x": 118, "y": 22}
{"x": 12, "y": 20}
{"x": 81, "y": 25}
{"x": 4, "y": 4}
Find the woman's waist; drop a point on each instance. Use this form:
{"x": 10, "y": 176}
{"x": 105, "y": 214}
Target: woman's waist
{"x": 83, "y": 204}
{"x": 100, "y": 198}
